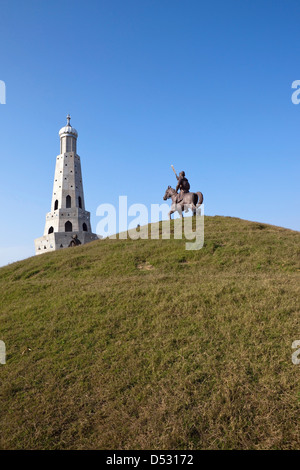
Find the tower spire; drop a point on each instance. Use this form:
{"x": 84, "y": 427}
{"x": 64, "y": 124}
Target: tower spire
{"x": 68, "y": 216}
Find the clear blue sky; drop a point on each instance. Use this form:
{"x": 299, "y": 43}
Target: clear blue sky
{"x": 205, "y": 85}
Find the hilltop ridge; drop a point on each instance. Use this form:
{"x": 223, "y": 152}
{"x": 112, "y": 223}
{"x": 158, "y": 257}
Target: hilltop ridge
{"x": 141, "y": 344}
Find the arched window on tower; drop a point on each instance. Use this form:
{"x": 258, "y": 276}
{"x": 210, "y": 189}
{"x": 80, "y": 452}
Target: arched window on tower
{"x": 79, "y": 202}
{"x": 56, "y": 205}
{"x": 68, "y": 226}
{"x": 69, "y": 144}
{"x": 51, "y": 230}
{"x": 84, "y": 227}
{"x": 68, "y": 202}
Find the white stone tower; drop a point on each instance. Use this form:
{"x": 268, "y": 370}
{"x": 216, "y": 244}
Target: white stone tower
{"x": 68, "y": 216}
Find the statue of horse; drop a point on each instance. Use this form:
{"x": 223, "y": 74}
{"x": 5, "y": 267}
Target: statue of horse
{"x": 190, "y": 201}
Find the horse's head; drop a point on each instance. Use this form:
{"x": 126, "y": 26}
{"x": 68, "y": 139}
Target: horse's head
{"x": 168, "y": 193}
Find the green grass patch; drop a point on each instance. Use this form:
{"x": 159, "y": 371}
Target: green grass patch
{"x": 123, "y": 344}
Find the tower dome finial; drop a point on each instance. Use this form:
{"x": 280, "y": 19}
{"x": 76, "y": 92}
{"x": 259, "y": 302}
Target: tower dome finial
{"x": 68, "y": 120}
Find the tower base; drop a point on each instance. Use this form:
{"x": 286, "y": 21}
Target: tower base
{"x": 58, "y": 240}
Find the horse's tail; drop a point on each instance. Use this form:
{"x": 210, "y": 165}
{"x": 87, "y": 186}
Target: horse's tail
{"x": 200, "y": 198}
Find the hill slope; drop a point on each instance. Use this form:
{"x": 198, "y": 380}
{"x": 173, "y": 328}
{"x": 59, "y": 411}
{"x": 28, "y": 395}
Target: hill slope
{"x": 125, "y": 344}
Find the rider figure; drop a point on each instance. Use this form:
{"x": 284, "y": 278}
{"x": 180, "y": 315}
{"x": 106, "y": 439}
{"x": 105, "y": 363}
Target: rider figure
{"x": 74, "y": 241}
{"x": 183, "y": 185}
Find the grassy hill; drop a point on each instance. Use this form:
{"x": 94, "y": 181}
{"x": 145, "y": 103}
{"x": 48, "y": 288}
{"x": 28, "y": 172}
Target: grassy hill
{"x": 125, "y": 344}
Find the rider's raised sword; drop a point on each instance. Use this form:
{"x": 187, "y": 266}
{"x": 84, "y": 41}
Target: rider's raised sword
{"x": 174, "y": 170}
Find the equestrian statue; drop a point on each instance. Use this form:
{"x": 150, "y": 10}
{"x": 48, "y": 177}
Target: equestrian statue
{"x": 184, "y": 200}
